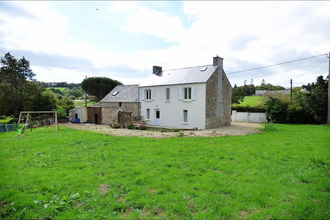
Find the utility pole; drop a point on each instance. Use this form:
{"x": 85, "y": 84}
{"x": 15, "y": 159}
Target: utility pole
{"x": 85, "y": 96}
{"x": 291, "y": 89}
{"x": 329, "y": 91}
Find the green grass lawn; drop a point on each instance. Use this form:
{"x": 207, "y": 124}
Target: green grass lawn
{"x": 282, "y": 173}
{"x": 80, "y": 103}
{"x": 59, "y": 88}
{"x": 250, "y": 101}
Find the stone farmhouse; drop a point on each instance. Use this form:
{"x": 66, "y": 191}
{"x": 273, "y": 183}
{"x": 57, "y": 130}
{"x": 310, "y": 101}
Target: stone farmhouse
{"x": 193, "y": 97}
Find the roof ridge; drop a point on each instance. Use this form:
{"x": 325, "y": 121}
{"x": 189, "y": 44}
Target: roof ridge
{"x": 188, "y": 67}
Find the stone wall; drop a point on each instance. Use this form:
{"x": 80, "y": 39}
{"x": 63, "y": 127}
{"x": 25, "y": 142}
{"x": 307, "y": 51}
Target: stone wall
{"x": 226, "y": 101}
{"x": 218, "y": 101}
{"x": 211, "y": 121}
{"x": 110, "y": 111}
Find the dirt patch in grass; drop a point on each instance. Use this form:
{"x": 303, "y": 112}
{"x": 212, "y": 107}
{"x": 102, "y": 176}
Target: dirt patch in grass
{"x": 245, "y": 214}
{"x": 236, "y": 128}
{"x": 104, "y": 188}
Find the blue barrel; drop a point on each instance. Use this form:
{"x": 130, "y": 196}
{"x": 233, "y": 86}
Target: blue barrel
{"x": 77, "y": 120}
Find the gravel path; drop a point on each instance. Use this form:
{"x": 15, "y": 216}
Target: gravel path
{"x": 236, "y": 128}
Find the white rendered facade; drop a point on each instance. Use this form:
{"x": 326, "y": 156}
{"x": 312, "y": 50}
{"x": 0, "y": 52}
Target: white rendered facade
{"x": 184, "y": 109}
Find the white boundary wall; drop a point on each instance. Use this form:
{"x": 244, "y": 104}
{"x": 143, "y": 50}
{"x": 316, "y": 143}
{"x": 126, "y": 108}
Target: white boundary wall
{"x": 257, "y": 117}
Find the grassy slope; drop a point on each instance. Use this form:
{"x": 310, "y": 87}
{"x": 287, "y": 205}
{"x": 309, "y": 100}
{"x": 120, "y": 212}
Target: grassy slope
{"x": 283, "y": 173}
{"x": 59, "y": 88}
{"x": 250, "y": 101}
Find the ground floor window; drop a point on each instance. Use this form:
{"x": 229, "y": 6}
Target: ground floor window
{"x": 185, "y": 115}
{"x": 148, "y": 113}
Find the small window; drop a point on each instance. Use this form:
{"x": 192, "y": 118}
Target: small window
{"x": 148, "y": 94}
{"x": 185, "y": 115}
{"x": 168, "y": 94}
{"x": 187, "y": 93}
{"x": 148, "y": 113}
{"x": 115, "y": 93}
{"x": 119, "y": 104}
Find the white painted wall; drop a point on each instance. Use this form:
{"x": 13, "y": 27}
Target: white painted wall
{"x": 171, "y": 112}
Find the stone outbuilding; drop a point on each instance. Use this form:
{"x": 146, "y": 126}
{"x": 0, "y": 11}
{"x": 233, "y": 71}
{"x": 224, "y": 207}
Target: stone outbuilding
{"x": 123, "y": 99}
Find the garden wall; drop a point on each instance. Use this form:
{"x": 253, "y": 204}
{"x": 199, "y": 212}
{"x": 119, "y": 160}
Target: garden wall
{"x": 257, "y": 117}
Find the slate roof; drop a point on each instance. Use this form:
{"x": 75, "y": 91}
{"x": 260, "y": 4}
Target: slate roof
{"x": 126, "y": 93}
{"x": 198, "y": 74}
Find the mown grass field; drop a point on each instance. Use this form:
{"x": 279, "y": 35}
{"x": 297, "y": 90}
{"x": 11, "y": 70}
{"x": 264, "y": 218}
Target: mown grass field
{"x": 250, "y": 101}
{"x": 80, "y": 103}
{"x": 282, "y": 173}
{"x": 59, "y": 88}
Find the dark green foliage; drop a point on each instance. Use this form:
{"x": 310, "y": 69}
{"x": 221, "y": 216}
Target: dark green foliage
{"x": 258, "y": 108}
{"x": 14, "y": 76}
{"x": 276, "y": 110}
{"x": 310, "y": 107}
{"x": 269, "y": 87}
{"x": 237, "y": 95}
{"x": 99, "y": 86}
{"x": 317, "y": 100}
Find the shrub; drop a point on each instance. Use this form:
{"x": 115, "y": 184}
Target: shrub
{"x": 258, "y": 108}
{"x": 131, "y": 126}
{"x": 115, "y": 126}
{"x": 276, "y": 110}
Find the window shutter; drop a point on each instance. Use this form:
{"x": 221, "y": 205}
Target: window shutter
{"x": 180, "y": 94}
{"x": 193, "y": 93}
{"x": 142, "y": 94}
{"x": 152, "y": 94}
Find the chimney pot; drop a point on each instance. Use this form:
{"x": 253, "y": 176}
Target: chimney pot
{"x": 218, "y": 61}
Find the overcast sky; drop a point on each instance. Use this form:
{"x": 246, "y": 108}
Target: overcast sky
{"x": 65, "y": 41}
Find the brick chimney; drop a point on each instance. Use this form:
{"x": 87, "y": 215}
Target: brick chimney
{"x": 218, "y": 61}
{"x": 157, "y": 70}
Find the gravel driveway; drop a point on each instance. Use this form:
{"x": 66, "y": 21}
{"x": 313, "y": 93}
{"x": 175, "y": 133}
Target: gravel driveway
{"x": 236, "y": 128}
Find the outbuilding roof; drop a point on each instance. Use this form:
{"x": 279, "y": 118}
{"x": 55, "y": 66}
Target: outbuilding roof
{"x": 123, "y": 93}
{"x": 198, "y": 74}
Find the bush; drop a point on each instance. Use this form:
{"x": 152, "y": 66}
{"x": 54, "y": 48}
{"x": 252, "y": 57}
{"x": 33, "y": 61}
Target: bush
{"x": 142, "y": 127}
{"x": 276, "y": 110}
{"x": 115, "y": 126}
{"x": 249, "y": 108}
{"x": 131, "y": 126}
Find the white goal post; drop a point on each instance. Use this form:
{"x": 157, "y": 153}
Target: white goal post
{"x": 38, "y": 112}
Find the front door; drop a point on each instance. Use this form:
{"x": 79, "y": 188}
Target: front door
{"x": 157, "y": 117}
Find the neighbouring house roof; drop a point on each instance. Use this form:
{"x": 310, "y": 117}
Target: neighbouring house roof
{"x": 198, "y": 74}
{"x": 123, "y": 93}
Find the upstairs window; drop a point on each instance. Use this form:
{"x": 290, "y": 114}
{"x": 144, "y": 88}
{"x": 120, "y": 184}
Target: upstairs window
{"x": 148, "y": 94}
{"x": 187, "y": 93}
{"x": 168, "y": 94}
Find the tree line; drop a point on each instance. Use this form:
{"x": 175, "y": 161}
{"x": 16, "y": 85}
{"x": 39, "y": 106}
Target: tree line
{"x": 20, "y": 91}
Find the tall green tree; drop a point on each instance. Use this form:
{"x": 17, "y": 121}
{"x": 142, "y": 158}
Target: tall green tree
{"x": 237, "y": 95}
{"x": 317, "y": 100}
{"x": 99, "y": 86}
{"x": 14, "y": 75}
